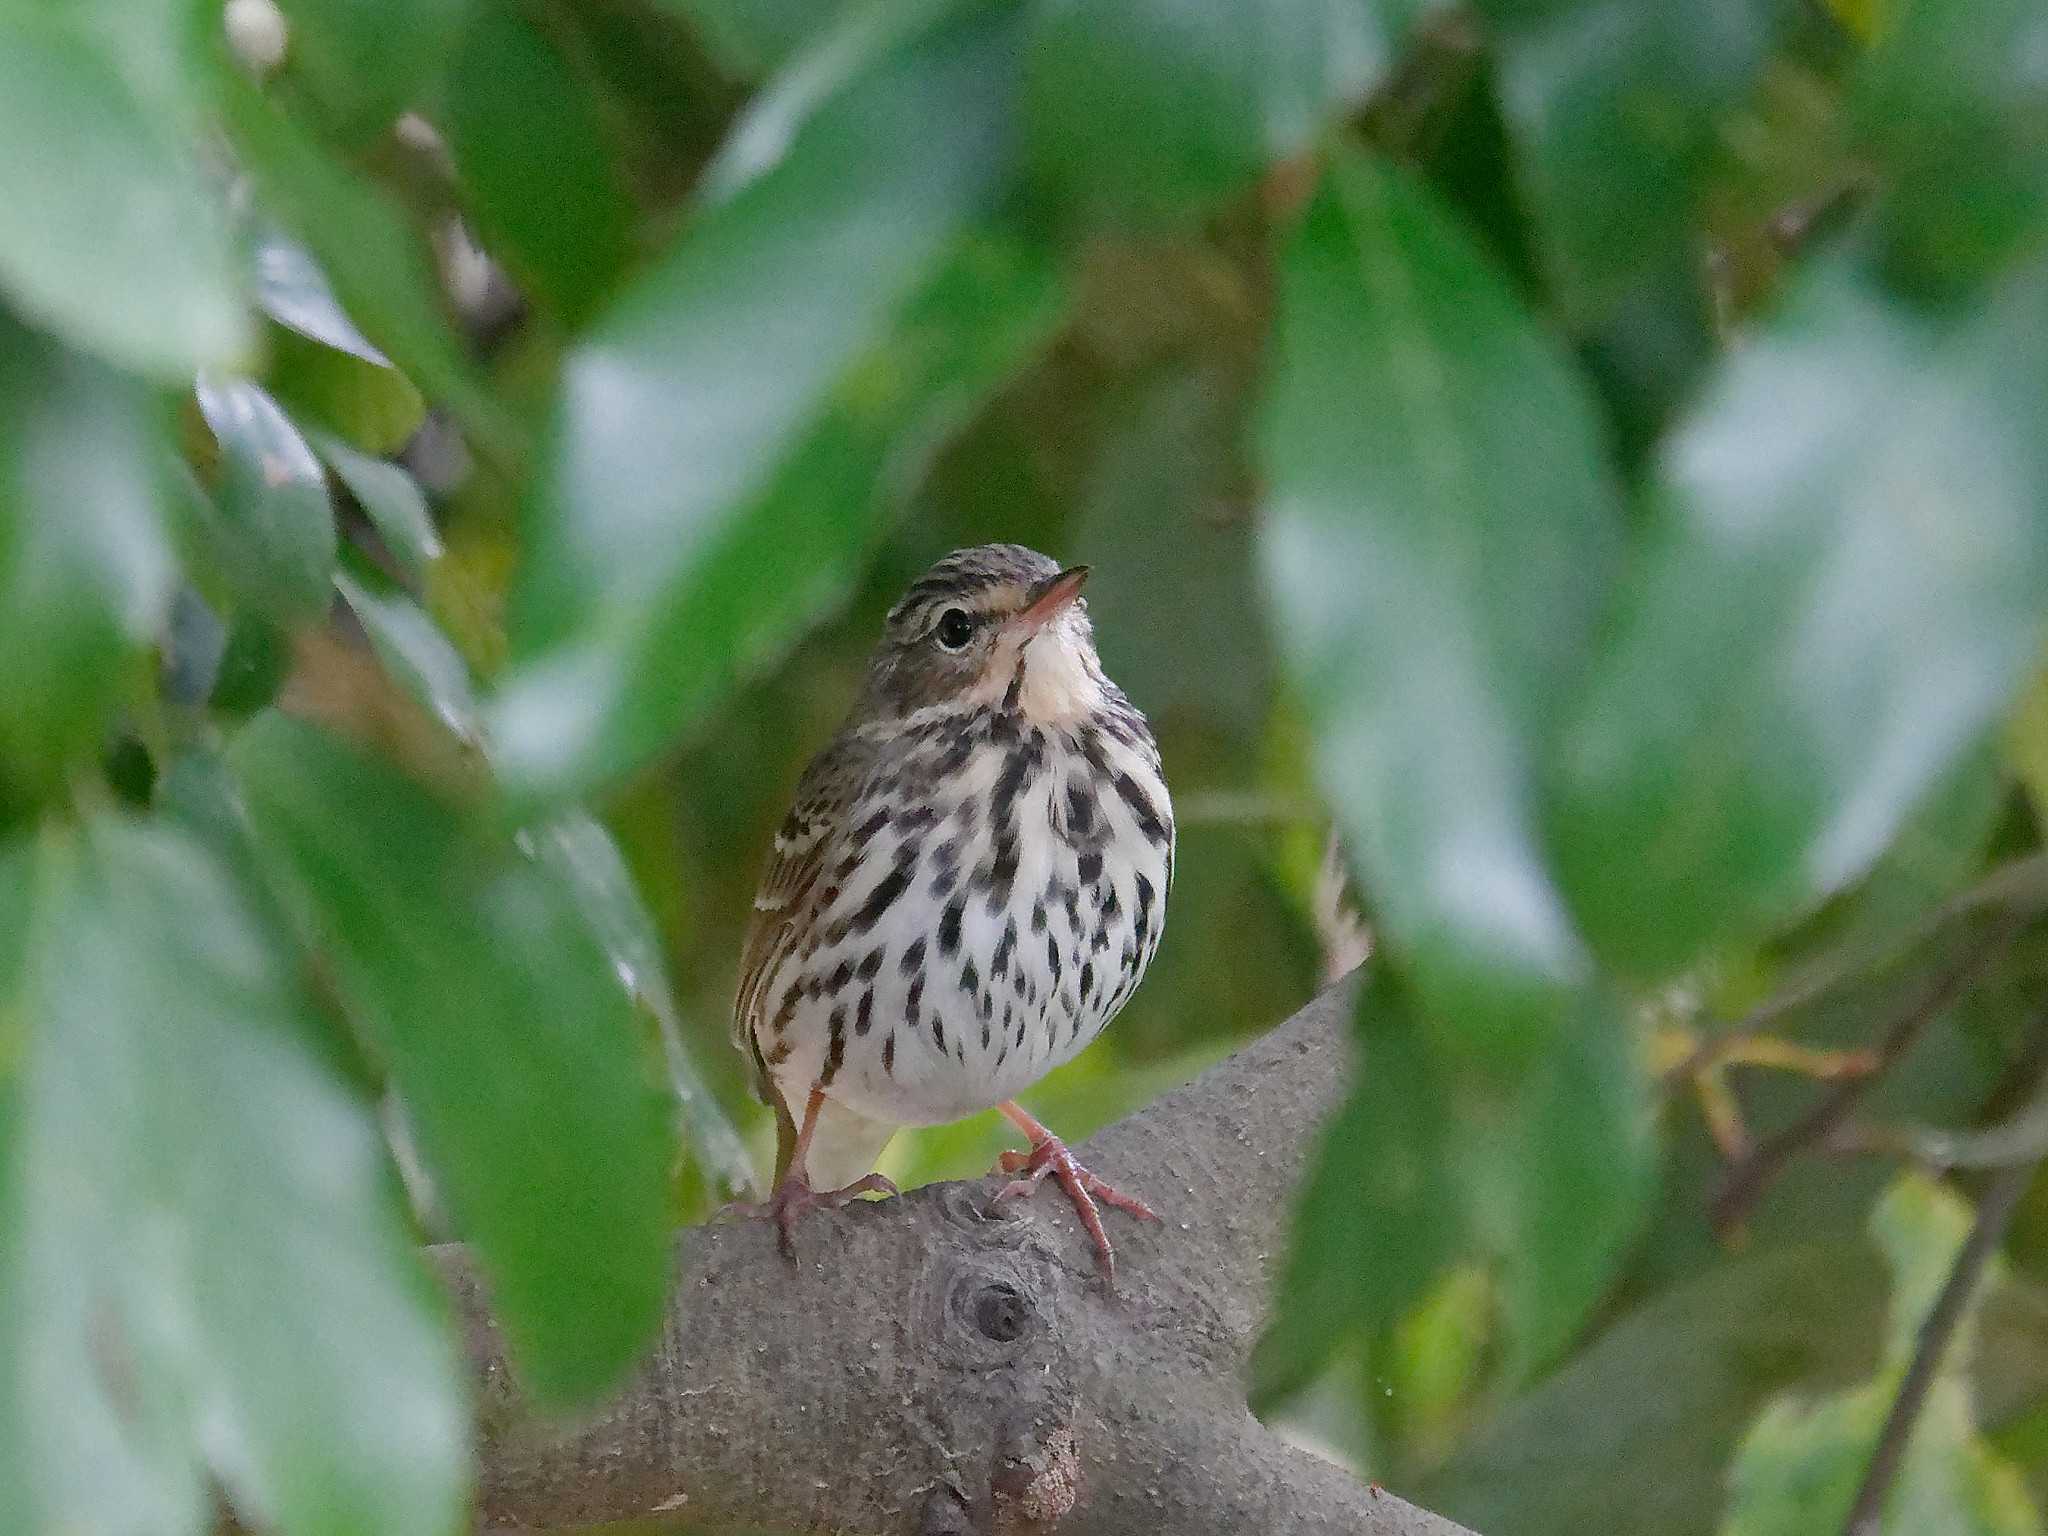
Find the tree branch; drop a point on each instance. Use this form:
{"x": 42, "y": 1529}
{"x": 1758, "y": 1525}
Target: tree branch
{"x": 927, "y": 1370}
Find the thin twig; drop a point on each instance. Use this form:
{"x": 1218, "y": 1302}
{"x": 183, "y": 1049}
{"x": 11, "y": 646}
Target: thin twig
{"x": 2022, "y": 882}
{"x": 1747, "y": 1180}
{"x": 2016, "y": 1112}
{"x": 1994, "y": 1211}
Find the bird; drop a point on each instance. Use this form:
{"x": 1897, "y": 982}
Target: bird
{"x": 969, "y": 885}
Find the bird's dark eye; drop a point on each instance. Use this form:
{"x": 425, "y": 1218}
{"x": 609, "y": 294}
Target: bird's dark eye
{"x": 954, "y": 629}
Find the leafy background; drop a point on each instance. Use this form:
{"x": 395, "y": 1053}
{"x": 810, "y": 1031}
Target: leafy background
{"x": 1579, "y": 466}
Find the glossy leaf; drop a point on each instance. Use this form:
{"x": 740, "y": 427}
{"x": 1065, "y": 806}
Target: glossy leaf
{"x": 116, "y": 242}
{"x": 293, "y": 291}
{"x": 369, "y": 405}
{"x": 421, "y": 659}
{"x": 538, "y": 171}
{"x": 725, "y": 429}
{"x": 368, "y": 253}
{"x": 1841, "y": 593}
{"x": 1149, "y": 107}
{"x": 582, "y": 854}
{"x": 208, "y": 1272}
{"x": 1384, "y": 1211}
{"x": 507, "y": 1033}
{"x": 1438, "y": 534}
{"x": 389, "y": 497}
{"x": 274, "y": 535}
{"x": 1617, "y": 104}
{"x": 364, "y": 61}
{"x": 86, "y": 566}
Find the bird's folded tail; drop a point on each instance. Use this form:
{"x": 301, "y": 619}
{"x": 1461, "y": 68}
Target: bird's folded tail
{"x": 844, "y": 1146}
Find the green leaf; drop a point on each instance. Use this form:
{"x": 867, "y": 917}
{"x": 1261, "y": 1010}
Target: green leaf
{"x": 1150, "y": 107}
{"x": 370, "y": 405}
{"x": 1615, "y": 104}
{"x": 1953, "y": 105}
{"x": 1438, "y": 535}
{"x": 1800, "y": 1466}
{"x": 389, "y": 497}
{"x": 1575, "y": 1171}
{"x": 726, "y": 426}
{"x": 293, "y": 291}
{"x": 583, "y": 856}
{"x": 117, "y": 242}
{"x": 419, "y": 657}
{"x": 208, "y": 1268}
{"x": 1383, "y": 1213}
{"x": 507, "y": 1033}
{"x": 2027, "y": 743}
{"x": 86, "y": 566}
{"x": 369, "y": 254}
{"x": 537, "y": 168}
{"x": 273, "y": 532}
{"x": 1841, "y": 592}
{"x": 754, "y": 38}
{"x": 363, "y": 63}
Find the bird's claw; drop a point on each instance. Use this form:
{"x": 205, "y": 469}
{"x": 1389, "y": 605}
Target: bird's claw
{"x": 793, "y": 1196}
{"x": 1051, "y": 1159}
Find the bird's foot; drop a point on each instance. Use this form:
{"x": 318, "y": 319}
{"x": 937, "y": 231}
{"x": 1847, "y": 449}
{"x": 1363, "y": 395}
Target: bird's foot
{"x": 1050, "y": 1157}
{"x": 794, "y": 1195}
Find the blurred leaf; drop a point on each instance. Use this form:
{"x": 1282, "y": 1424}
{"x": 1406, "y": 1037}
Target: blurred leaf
{"x": 1841, "y": 592}
{"x": 293, "y": 291}
{"x": 86, "y": 565}
{"x": 1690, "y": 1371}
{"x": 537, "y": 170}
{"x": 2027, "y": 744}
{"x": 116, "y": 241}
{"x": 584, "y": 858}
{"x": 1383, "y": 1213}
{"x": 1608, "y": 1453}
{"x": 753, "y": 38}
{"x": 370, "y": 405}
{"x": 1575, "y": 1170}
{"x": 507, "y": 1033}
{"x": 209, "y": 1263}
{"x": 365, "y": 61}
{"x": 1149, "y": 107}
{"x": 725, "y": 425}
{"x": 1937, "y": 850}
{"x": 389, "y": 497}
{"x": 1615, "y": 105}
{"x": 1953, "y": 104}
{"x": 369, "y": 255}
{"x": 1799, "y": 1468}
{"x": 1439, "y": 528}
{"x": 418, "y": 656}
{"x": 274, "y": 536}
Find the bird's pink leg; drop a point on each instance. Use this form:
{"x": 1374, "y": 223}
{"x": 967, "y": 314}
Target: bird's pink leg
{"x": 793, "y": 1194}
{"x": 1049, "y": 1156}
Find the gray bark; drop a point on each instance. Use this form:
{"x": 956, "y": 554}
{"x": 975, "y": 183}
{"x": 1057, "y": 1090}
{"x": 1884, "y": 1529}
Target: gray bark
{"x": 927, "y": 1369}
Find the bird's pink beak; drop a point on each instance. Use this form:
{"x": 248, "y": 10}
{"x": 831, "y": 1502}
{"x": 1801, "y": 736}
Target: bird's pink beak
{"x": 1054, "y": 596}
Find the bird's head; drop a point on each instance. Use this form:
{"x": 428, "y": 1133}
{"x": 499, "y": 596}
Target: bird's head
{"x": 997, "y": 626}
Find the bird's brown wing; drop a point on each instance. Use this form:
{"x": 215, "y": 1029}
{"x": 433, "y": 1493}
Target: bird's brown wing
{"x": 804, "y": 844}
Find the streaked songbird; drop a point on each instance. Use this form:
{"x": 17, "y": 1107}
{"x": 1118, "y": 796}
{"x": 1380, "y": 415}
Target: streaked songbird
{"x": 967, "y": 889}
